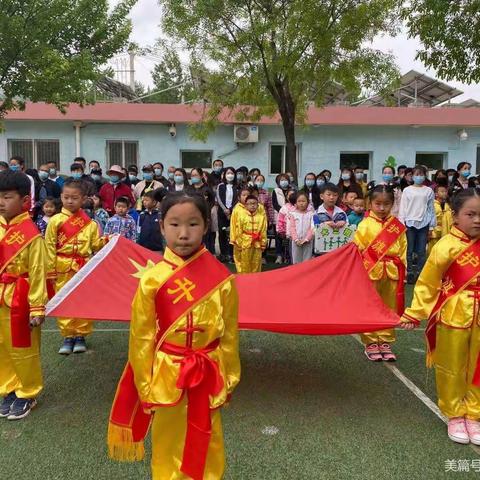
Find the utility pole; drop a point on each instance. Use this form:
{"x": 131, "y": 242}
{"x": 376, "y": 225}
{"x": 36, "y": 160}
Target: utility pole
{"x": 131, "y": 54}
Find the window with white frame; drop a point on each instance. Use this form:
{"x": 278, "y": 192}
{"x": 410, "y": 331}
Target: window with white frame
{"x": 122, "y": 152}
{"x": 34, "y": 152}
{"x": 196, "y": 159}
{"x": 432, "y": 160}
{"x": 277, "y": 158}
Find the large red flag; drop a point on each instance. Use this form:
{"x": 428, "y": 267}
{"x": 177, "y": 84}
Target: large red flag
{"x": 329, "y": 295}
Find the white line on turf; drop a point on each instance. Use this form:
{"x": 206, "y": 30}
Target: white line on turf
{"x": 418, "y": 393}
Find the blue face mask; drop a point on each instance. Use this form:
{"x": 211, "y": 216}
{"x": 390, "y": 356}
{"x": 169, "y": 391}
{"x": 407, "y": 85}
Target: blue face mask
{"x": 195, "y": 180}
{"x": 283, "y": 183}
{"x": 320, "y": 182}
{"x": 52, "y": 171}
{"x": 359, "y": 176}
{"x": 217, "y": 169}
{"x": 239, "y": 177}
{"x": 114, "y": 179}
{"x": 158, "y": 172}
{"x": 259, "y": 185}
{"x": 43, "y": 175}
{"x": 171, "y": 175}
{"x": 96, "y": 177}
{"x": 76, "y": 175}
{"x": 345, "y": 176}
{"x": 15, "y": 168}
{"x": 132, "y": 177}
{"x": 148, "y": 176}
{"x": 309, "y": 183}
{"x": 418, "y": 179}
{"x": 179, "y": 179}
{"x": 387, "y": 177}
{"x": 465, "y": 173}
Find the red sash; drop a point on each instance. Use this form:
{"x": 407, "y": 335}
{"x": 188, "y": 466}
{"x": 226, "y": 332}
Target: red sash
{"x": 461, "y": 272}
{"x": 199, "y": 377}
{"x": 16, "y": 239}
{"x": 72, "y": 227}
{"x": 377, "y": 252}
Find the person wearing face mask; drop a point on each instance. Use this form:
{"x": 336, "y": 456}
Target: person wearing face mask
{"x": 460, "y": 179}
{"x": 77, "y": 172}
{"x": 417, "y": 213}
{"x": 326, "y": 174}
{"x": 96, "y": 176}
{"x": 114, "y": 189}
{"x": 17, "y": 164}
{"x": 180, "y": 181}
{"x": 215, "y": 177}
{"x": 170, "y": 175}
{"x": 279, "y": 196}
{"x": 311, "y": 190}
{"x": 347, "y": 182}
{"x": 132, "y": 171}
{"x": 147, "y": 184}
{"x": 45, "y": 187}
{"x": 158, "y": 173}
{"x": 320, "y": 181}
{"x": 388, "y": 178}
{"x": 242, "y": 176}
{"x": 451, "y": 175}
{"x": 227, "y": 193}
{"x": 360, "y": 179}
{"x": 264, "y": 198}
{"x": 53, "y": 174}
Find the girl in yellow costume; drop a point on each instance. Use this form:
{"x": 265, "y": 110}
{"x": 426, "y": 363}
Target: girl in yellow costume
{"x": 443, "y": 213}
{"x": 183, "y": 354}
{"x": 447, "y": 293}
{"x": 71, "y": 238}
{"x": 382, "y": 241}
{"x": 248, "y": 235}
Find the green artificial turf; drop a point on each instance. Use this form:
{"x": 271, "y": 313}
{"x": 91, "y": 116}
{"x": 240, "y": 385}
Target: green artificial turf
{"x": 306, "y": 408}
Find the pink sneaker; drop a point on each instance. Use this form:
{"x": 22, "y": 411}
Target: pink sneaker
{"x": 387, "y": 354}
{"x": 457, "y": 430}
{"x": 473, "y": 429}
{"x": 373, "y": 353}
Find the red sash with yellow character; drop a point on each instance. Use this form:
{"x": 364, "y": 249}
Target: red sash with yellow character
{"x": 461, "y": 272}
{"x": 377, "y": 252}
{"x": 16, "y": 239}
{"x": 72, "y": 227}
{"x": 199, "y": 377}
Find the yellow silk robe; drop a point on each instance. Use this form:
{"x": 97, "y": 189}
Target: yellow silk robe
{"x": 444, "y": 223}
{"x": 20, "y": 369}
{"x": 156, "y": 372}
{"x": 385, "y": 274}
{"x": 62, "y": 269}
{"x": 458, "y": 332}
{"x": 247, "y": 249}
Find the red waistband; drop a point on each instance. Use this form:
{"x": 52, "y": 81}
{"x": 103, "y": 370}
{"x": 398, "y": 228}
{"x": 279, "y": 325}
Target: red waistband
{"x": 8, "y": 278}
{"x": 71, "y": 255}
{"x": 181, "y": 351}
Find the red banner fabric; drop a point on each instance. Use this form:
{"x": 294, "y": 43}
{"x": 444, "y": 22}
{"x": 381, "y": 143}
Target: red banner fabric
{"x": 329, "y": 295}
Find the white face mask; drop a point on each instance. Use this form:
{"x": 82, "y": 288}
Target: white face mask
{"x": 229, "y": 177}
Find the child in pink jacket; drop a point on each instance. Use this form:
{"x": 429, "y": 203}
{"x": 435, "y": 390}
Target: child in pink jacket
{"x": 300, "y": 229}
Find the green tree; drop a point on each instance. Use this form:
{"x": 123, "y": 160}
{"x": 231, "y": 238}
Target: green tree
{"x": 279, "y": 54}
{"x": 52, "y": 50}
{"x": 449, "y": 31}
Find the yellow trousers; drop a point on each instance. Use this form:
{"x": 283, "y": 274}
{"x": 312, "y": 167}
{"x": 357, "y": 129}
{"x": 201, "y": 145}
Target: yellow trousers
{"x": 20, "y": 369}
{"x": 247, "y": 260}
{"x": 387, "y": 289}
{"x": 455, "y": 360}
{"x": 71, "y": 327}
{"x": 168, "y": 438}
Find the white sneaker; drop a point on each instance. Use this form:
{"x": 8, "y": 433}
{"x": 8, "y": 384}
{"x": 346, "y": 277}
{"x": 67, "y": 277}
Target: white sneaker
{"x": 278, "y": 260}
{"x": 473, "y": 429}
{"x": 457, "y": 430}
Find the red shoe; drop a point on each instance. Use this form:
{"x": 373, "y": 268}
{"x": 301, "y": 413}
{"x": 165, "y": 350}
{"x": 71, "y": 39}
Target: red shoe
{"x": 373, "y": 352}
{"x": 387, "y": 354}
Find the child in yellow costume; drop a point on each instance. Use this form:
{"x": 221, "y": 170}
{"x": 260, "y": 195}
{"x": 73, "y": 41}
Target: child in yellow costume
{"x": 447, "y": 293}
{"x": 443, "y": 213}
{"x": 183, "y": 354}
{"x": 248, "y": 235}
{"x": 22, "y": 299}
{"x": 382, "y": 241}
{"x": 71, "y": 239}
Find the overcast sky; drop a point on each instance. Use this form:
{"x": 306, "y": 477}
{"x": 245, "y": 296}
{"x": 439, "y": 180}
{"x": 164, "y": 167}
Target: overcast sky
{"x": 146, "y": 18}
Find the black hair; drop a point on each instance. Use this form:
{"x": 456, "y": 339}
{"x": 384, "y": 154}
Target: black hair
{"x": 15, "y": 181}
{"x": 79, "y": 159}
{"x": 323, "y": 172}
{"x": 420, "y": 168}
{"x": 178, "y": 198}
{"x": 251, "y": 197}
{"x": 33, "y": 173}
{"x": 159, "y": 194}
{"x": 440, "y": 185}
{"x": 124, "y": 200}
{"x": 301, "y": 193}
{"x": 74, "y": 183}
{"x": 459, "y": 199}
{"x": 381, "y": 190}
{"x": 56, "y": 202}
{"x": 330, "y": 187}
{"x": 76, "y": 166}
{"x": 159, "y": 163}
{"x": 93, "y": 161}
{"x": 218, "y": 160}
{"x": 243, "y": 169}
{"x": 184, "y": 174}
{"x": 150, "y": 194}
{"x": 242, "y": 189}
{"x": 442, "y": 171}
{"x": 353, "y": 189}
{"x": 402, "y": 167}
{"x": 18, "y": 159}
{"x": 199, "y": 171}
{"x": 389, "y": 166}
{"x": 4, "y": 164}
{"x": 462, "y": 164}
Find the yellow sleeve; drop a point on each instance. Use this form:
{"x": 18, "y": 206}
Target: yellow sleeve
{"x": 37, "y": 274}
{"x": 403, "y": 248}
{"x": 51, "y": 245}
{"x": 229, "y": 339}
{"x": 447, "y": 222}
{"x": 141, "y": 350}
{"x": 234, "y": 227}
{"x": 98, "y": 242}
{"x": 361, "y": 235}
{"x": 428, "y": 285}
{"x": 263, "y": 229}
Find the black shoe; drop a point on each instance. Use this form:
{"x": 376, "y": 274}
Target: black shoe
{"x": 6, "y": 405}
{"x": 21, "y": 408}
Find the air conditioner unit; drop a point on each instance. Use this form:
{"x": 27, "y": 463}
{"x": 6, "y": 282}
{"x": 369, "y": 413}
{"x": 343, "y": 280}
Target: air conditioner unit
{"x": 245, "y": 133}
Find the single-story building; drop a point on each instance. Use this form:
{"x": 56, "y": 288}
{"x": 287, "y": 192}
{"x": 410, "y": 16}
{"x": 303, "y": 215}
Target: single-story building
{"x": 333, "y": 137}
